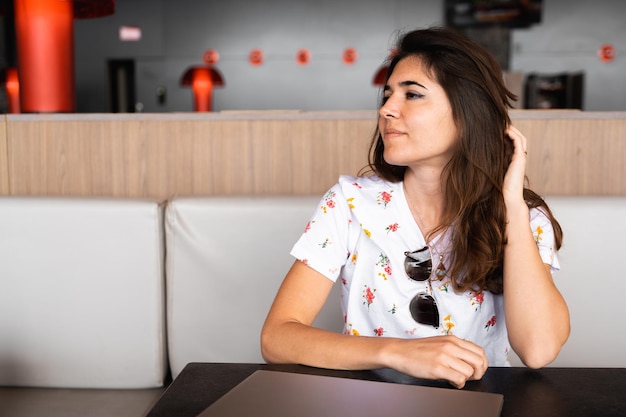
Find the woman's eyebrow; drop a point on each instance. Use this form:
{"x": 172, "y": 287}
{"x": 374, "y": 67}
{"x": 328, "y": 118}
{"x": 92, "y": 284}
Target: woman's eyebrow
{"x": 409, "y": 83}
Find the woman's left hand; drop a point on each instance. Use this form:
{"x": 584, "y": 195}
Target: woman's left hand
{"x": 523, "y": 268}
{"x": 513, "y": 186}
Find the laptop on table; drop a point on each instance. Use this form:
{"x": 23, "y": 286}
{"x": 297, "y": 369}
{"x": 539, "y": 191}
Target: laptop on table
{"x": 282, "y": 394}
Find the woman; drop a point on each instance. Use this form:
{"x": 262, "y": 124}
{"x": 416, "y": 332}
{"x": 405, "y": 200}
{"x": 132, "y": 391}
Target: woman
{"x": 439, "y": 243}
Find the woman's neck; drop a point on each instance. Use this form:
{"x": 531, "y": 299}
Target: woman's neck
{"x": 425, "y": 197}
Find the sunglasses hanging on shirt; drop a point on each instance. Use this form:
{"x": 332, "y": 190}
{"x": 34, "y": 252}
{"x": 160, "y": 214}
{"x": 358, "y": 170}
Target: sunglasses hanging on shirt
{"x": 418, "y": 266}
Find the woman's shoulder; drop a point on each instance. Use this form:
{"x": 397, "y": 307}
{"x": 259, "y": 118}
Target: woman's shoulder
{"x": 538, "y": 217}
{"x": 366, "y": 192}
{"x": 367, "y": 184}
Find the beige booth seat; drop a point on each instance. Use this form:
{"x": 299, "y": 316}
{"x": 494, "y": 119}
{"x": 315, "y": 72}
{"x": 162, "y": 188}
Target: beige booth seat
{"x": 226, "y": 257}
{"x": 84, "y": 302}
{"x": 592, "y": 279}
{"x": 81, "y": 293}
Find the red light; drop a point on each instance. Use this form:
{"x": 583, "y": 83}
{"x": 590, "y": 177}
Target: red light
{"x": 211, "y": 57}
{"x": 349, "y": 56}
{"x": 303, "y": 56}
{"x": 13, "y": 90}
{"x": 202, "y": 81}
{"x": 606, "y": 53}
{"x": 256, "y": 57}
{"x": 381, "y": 76}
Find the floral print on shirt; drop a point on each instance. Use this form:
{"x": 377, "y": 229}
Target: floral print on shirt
{"x": 392, "y": 228}
{"x": 368, "y": 295}
{"x": 354, "y": 257}
{"x": 477, "y": 300}
{"x": 384, "y": 266}
{"x": 329, "y": 201}
{"x": 537, "y": 234}
{"x": 351, "y": 330}
{"x": 325, "y": 243}
{"x": 359, "y": 233}
{"x": 384, "y": 198}
{"x": 448, "y": 325}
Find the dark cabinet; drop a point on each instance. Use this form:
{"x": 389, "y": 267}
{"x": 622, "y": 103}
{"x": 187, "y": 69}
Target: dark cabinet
{"x": 555, "y": 91}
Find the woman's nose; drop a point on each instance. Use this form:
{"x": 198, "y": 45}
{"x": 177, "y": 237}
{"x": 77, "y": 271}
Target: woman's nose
{"x": 388, "y": 109}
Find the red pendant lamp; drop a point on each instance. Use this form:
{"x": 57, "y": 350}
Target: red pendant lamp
{"x": 13, "y": 89}
{"x": 380, "y": 77}
{"x": 44, "y": 32}
{"x": 202, "y": 79}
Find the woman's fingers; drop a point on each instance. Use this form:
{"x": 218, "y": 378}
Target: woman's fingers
{"x": 520, "y": 142}
{"x": 444, "y": 357}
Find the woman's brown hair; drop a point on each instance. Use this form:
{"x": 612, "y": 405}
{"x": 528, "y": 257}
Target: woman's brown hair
{"x": 473, "y": 179}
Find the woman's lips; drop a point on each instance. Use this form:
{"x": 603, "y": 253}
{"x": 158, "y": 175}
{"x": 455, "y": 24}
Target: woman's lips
{"x": 391, "y": 133}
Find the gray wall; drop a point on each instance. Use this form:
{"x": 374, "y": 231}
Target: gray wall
{"x": 177, "y": 32}
{"x": 569, "y": 39}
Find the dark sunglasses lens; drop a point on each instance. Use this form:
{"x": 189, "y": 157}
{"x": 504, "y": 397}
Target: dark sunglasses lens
{"x": 418, "y": 264}
{"x": 424, "y": 310}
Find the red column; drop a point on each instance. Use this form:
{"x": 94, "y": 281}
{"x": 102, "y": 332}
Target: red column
{"x": 45, "y": 46}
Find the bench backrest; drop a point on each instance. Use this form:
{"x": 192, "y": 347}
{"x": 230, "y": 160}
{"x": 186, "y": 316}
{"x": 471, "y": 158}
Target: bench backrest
{"x": 81, "y": 293}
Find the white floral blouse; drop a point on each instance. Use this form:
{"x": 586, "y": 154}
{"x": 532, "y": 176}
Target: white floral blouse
{"x": 360, "y": 232}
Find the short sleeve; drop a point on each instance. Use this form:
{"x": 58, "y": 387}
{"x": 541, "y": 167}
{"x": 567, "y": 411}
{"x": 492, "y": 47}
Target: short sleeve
{"x": 543, "y": 233}
{"x": 324, "y": 243}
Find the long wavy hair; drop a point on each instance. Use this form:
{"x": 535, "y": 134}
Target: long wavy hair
{"x": 473, "y": 178}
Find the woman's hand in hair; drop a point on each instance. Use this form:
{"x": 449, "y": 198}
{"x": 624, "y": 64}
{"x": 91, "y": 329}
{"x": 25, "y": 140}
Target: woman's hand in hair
{"x": 513, "y": 187}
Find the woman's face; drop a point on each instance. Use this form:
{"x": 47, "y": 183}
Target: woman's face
{"x": 415, "y": 120}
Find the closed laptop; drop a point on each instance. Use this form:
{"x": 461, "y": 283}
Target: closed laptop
{"x": 283, "y": 394}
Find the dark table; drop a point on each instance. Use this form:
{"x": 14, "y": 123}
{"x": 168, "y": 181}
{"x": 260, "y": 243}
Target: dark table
{"x": 555, "y": 392}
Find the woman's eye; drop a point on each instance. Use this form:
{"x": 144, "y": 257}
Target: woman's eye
{"x": 412, "y": 95}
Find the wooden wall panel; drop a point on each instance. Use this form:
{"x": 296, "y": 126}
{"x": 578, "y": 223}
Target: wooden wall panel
{"x": 161, "y": 155}
{"x": 576, "y": 153}
{"x": 4, "y": 158}
{"x": 131, "y": 157}
{"x": 307, "y": 156}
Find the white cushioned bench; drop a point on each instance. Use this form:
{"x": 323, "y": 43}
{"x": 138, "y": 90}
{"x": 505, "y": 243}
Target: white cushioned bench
{"x": 81, "y": 293}
{"x": 226, "y": 257}
{"x": 592, "y": 279}
{"x": 84, "y": 302}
